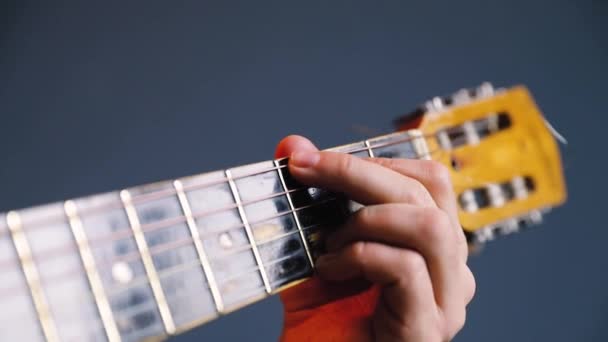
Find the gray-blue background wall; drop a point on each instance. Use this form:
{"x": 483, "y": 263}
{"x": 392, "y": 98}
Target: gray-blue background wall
{"x": 96, "y": 96}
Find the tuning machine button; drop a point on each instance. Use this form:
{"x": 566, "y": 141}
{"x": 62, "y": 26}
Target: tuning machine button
{"x": 440, "y": 104}
{"x": 460, "y": 97}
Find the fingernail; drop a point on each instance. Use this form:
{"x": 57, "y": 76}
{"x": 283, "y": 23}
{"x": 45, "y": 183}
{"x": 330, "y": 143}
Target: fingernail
{"x": 304, "y": 159}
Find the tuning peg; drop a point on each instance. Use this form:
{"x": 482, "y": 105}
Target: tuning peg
{"x": 440, "y": 104}
{"x": 486, "y": 89}
{"x": 460, "y": 97}
{"x": 506, "y": 227}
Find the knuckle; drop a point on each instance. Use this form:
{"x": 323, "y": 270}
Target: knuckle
{"x": 415, "y": 193}
{"x": 413, "y": 264}
{"x": 457, "y": 321}
{"x": 439, "y": 175}
{"x": 364, "y": 216}
{"x": 434, "y": 224}
{"x": 470, "y": 285}
{"x": 344, "y": 165}
{"x": 356, "y": 252}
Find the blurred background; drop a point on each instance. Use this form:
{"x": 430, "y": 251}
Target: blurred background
{"x": 98, "y": 96}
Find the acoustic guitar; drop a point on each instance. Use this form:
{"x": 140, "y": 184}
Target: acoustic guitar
{"x": 152, "y": 261}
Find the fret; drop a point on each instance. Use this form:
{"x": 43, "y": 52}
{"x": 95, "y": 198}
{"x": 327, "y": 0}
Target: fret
{"x": 292, "y": 208}
{"x": 111, "y": 240}
{"x": 32, "y": 277}
{"x": 62, "y": 273}
{"x": 212, "y": 206}
{"x": 188, "y": 297}
{"x": 368, "y": 146}
{"x": 285, "y": 260}
{"x": 319, "y": 211}
{"x": 320, "y": 220}
{"x": 95, "y": 283}
{"x": 22, "y": 317}
{"x": 199, "y": 246}
{"x": 142, "y": 245}
{"x": 241, "y": 210}
{"x": 270, "y": 218}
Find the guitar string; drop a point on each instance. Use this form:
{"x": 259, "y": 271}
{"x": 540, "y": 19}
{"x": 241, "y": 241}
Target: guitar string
{"x": 261, "y": 172}
{"x": 214, "y": 233}
{"x": 165, "y": 223}
{"x": 134, "y": 256}
{"x": 190, "y": 264}
{"x": 189, "y": 239}
{"x": 126, "y": 232}
{"x": 246, "y": 295}
{"x": 254, "y": 290}
{"x": 254, "y": 201}
{"x": 158, "y": 248}
{"x": 143, "y": 198}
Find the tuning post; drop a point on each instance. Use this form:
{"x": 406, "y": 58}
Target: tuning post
{"x": 461, "y": 97}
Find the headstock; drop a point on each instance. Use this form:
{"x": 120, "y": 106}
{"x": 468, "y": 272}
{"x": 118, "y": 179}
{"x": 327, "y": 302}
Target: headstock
{"x": 504, "y": 161}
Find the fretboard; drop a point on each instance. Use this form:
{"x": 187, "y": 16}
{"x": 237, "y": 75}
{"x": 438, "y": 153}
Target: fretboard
{"x": 154, "y": 260}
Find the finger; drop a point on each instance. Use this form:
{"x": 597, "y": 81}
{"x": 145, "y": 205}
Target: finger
{"x": 402, "y": 272}
{"x": 427, "y": 230}
{"x": 433, "y": 175}
{"x": 361, "y": 180}
{"x": 437, "y": 180}
{"x": 291, "y": 144}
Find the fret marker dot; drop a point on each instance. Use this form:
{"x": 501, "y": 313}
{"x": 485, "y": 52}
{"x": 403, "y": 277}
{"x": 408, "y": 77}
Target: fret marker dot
{"x": 225, "y": 240}
{"x": 122, "y": 273}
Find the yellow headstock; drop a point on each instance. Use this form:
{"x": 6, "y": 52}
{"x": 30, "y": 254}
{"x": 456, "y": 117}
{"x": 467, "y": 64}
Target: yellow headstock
{"x": 504, "y": 161}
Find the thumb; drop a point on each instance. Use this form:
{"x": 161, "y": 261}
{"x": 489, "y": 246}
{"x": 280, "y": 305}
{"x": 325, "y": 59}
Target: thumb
{"x": 293, "y": 143}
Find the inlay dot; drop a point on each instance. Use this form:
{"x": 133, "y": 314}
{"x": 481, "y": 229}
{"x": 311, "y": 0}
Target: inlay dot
{"x": 225, "y": 240}
{"x": 122, "y": 273}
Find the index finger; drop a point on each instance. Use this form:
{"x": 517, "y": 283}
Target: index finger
{"x": 361, "y": 180}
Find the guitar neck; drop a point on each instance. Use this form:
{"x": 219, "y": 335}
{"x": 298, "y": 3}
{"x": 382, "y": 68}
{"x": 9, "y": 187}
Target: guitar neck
{"x": 157, "y": 259}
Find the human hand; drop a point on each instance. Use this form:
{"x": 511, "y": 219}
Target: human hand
{"x": 406, "y": 242}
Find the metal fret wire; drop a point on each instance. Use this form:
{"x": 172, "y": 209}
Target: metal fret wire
{"x": 139, "y": 199}
{"x": 88, "y": 262}
{"x": 254, "y": 247}
{"x": 32, "y": 277}
{"x": 296, "y": 218}
{"x": 196, "y": 239}
{"x": 146, "y": 258}
{"x": 368, "y": 147}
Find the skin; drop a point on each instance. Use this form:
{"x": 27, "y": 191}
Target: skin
{"x": 396, "y": 270}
